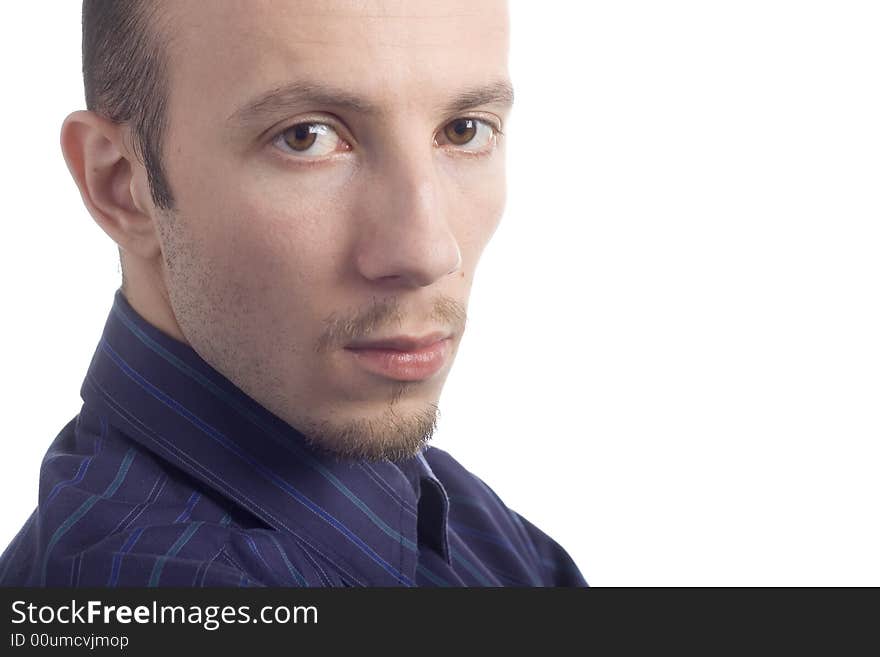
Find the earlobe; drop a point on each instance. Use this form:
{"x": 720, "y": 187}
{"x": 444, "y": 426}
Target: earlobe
{"x": 104, "y": 169}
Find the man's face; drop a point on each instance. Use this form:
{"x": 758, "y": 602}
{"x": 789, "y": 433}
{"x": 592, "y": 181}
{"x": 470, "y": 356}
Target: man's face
{"x": 303, "y": 225}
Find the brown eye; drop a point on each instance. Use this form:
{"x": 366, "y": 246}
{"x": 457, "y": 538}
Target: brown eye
{"x": 460, "y": 131}
{"x": 310, "y": 138}
{"x": 469, "y": 136}
{"x": 301, "y": 136}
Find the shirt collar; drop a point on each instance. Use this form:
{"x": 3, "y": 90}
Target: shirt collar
{"x": 367, "y": 517}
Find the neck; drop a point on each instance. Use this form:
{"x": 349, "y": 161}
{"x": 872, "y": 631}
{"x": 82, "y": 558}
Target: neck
{"x": 145, "y": 289}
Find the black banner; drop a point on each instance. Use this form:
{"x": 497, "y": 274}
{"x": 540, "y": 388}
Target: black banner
{"x": 169, "y": 622}
{"x": 146, "y": 621}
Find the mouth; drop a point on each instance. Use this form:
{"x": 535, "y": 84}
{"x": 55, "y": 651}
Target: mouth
{"x": 403, "y": 358}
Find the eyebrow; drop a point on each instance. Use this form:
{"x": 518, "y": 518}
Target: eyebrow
{"x": 295, "y": 94}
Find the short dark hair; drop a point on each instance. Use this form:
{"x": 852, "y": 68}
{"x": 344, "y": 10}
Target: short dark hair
{"x": 124, "y": 56}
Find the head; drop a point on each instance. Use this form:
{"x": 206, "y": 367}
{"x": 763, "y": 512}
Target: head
{"x": 286, "y": 178}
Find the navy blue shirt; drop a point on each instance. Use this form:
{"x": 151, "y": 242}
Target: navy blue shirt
{"x": 170, "y": 475}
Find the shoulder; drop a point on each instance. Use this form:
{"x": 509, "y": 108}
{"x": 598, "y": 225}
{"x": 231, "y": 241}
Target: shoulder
{"x": 111, "y": 513}
{"x": 456, "y": 478}
{"x": 476, "y": 506}
{"x": 461, "y": 484}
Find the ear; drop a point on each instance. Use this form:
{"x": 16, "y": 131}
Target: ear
{"x": 111, "y": 180}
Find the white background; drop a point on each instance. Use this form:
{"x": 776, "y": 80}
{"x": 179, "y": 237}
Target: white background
{"x": 672, "y": 362}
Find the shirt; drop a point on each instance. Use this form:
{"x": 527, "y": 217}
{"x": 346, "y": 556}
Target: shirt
{"x": 170, "y": 475}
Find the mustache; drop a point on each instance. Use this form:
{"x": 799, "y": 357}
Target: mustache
{"x": 446, "y": 313}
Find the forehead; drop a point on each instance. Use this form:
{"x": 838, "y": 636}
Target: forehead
{"x": 410, "y": 52}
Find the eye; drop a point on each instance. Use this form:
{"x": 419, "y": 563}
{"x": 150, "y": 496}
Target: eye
{"x": 310, "y": 138}
{"x": 476, "y": 134}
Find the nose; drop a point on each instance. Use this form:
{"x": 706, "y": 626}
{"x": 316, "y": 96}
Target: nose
{"x": 406, "y": 237}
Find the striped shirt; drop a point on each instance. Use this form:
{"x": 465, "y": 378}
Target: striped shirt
{"x": 170, "y": 475}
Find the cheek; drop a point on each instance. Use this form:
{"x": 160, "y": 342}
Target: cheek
{"x": 276, "y": 249}
{"x": 240, "y": 249}
{"x": 478, "y": 204}
{"x": 255, "y": 219}
{"x": 263, "y": 276}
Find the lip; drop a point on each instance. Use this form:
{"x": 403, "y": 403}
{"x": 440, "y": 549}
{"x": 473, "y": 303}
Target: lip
{"x": 403, "y": 358}
{"x": 400, "y": 342}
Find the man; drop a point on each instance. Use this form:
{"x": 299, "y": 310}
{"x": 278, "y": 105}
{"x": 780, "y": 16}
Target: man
{"x": 300, "y": 193}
